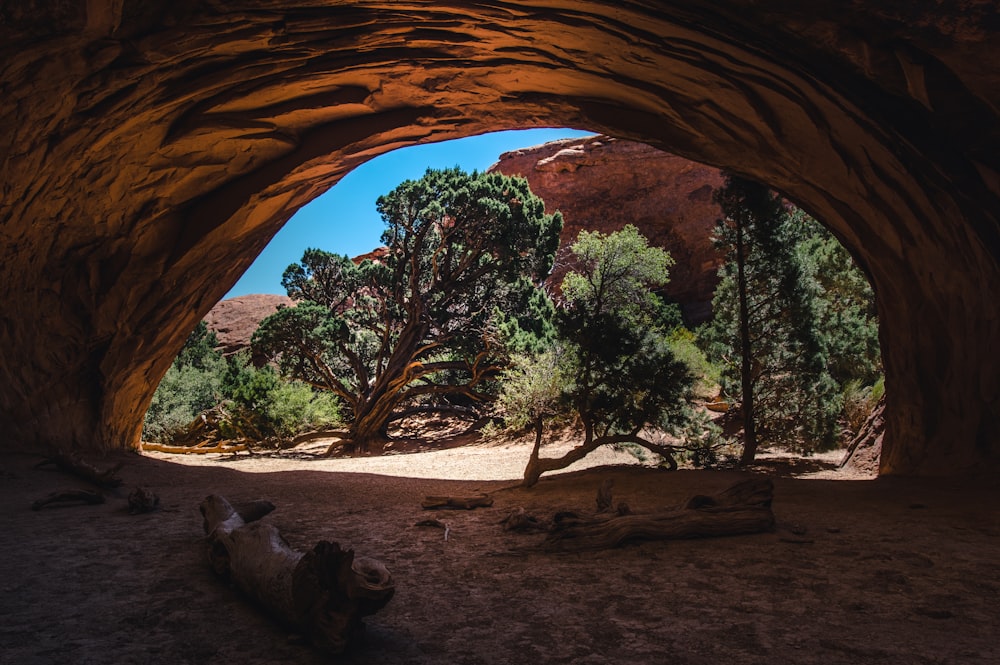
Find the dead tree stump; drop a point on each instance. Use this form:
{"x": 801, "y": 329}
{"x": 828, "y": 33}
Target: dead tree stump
{"x": 323, "y": 594}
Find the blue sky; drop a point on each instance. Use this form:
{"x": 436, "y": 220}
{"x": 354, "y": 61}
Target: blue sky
{"x": 344, "y": 219}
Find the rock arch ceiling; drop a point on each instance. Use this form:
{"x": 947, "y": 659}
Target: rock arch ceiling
{"x": 151, "y": 150}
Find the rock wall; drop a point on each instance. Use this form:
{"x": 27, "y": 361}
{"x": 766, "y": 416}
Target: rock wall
{"x": 235, "y": 320}
{"x": 602, "y": 184}
{"x": 151, "y": 149}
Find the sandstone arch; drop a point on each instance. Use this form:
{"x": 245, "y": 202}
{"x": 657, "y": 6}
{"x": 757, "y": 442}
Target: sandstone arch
{"x": 151, "y": 149}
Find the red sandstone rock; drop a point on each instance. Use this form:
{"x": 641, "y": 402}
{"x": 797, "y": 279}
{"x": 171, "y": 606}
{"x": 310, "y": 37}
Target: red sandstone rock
{"x": 601, "y": 183}
{"x": 151, "y": 149}
{"x": 234, "y": 320}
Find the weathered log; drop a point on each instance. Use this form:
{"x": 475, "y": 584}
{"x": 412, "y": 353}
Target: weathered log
{"x": 74, "y": 465}
{"x": 741, "y": 509}
{"x": 604, "y": 497}
{"x": 218, "y": 447}
{"x": 322, "y": 594}
{"x": 457, "y": 502}
{"x": 68, "y": 497}
{"x": 750, "y": 492}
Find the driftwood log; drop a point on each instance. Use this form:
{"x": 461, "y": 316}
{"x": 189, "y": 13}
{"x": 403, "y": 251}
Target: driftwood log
{"x": 208, "y": 447}
{"x": 322, "y": 594}
{"x": 743, "y": 508}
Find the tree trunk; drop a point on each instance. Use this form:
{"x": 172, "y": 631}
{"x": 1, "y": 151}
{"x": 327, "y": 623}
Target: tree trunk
{"x": 746, "y": 353}
{"x": 533, "y": 470}
{"x": 537, "y": 465}
{"x": 322, "y": 593}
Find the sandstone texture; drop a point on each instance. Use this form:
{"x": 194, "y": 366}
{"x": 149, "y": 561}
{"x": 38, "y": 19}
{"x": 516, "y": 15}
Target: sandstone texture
{"x": 234, "y": 320}
{"x": 151, "y": 149}
{"x": 602, "y": 184}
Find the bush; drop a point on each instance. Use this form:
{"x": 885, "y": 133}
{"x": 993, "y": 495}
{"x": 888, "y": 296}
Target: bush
{"x": 192, "y": 384}
{"x": 293, "y": 407}
{"x": 251, "y": 403}
{"x": 859, "y": 402}
{"x": 707, "y": 375}
{"x": 268, "y": 406}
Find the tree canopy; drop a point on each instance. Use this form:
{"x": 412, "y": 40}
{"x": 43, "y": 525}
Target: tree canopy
{"x": 424, "y": 322}
{"x": 611, "y": 365}
{"x": 768, "y": 332}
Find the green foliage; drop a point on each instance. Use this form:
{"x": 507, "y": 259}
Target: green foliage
{"x": 192, "y": 384}
{"x": 183, "y": 393}
{"x": 257, "y": 401}
{"x": 616, "y": 273}
{"x": 612, "y": 368}
{"x": 859, "y": 402}
{"x": 811, "y": 321}
{"x": 704, "y": 444}
{"x": 199, "y": 349}
{"x": 845, "y": 303}
{"x": 272, "y": 406}
{"x": 534, "y": 388}
{"x": 615, "y": 331}
{"x": 768, "y": 299}
{"x": 427, "y": 321}
{"x": 707, "y": 375}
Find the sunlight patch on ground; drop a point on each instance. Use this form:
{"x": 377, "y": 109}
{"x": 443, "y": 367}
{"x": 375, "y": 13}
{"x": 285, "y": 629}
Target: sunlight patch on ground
{"x": 476, "y": 462}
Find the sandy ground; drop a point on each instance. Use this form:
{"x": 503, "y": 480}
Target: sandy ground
{"x": 857, "y": 570}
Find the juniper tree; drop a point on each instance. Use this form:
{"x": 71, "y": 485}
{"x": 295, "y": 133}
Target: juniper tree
{"x": 425, "y": 322}
{"x": 611, "y": 367}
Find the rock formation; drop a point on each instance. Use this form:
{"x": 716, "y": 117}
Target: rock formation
{"x": 601, "y": 183}
{"x": 151, "y": 149}
{"x": 234, "y": 320}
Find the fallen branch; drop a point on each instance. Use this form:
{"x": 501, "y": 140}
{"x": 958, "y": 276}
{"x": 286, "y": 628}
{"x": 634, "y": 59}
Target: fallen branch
{"x": 538, "y": 465}
{"x": 457, "y": 502}
{"x": 201, "y": 449}
{"x": 74, "y": 465}
{"x": 322, "y": 594}
{"x": 69, "y": 497}
{"x": 743, "y": 508}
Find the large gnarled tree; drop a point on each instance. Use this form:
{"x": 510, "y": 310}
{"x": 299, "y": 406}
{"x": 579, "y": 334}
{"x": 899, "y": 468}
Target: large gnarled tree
{"x": 419, "y": 324}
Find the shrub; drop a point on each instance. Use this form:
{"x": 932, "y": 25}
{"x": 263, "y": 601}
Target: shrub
{"x": 192, "y": 384}
{"x": 859, "y": 402}
{"x": 707, "y": 375}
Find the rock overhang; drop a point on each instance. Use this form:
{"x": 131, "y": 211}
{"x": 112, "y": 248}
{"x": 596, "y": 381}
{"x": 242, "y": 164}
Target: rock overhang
{"x": 158, "y": 146}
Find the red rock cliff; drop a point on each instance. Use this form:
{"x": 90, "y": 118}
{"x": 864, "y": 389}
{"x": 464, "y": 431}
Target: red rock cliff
{"x": 602, "y": 183}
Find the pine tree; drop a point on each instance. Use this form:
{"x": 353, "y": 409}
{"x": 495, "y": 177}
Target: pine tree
{"x": 766, "y": 329}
